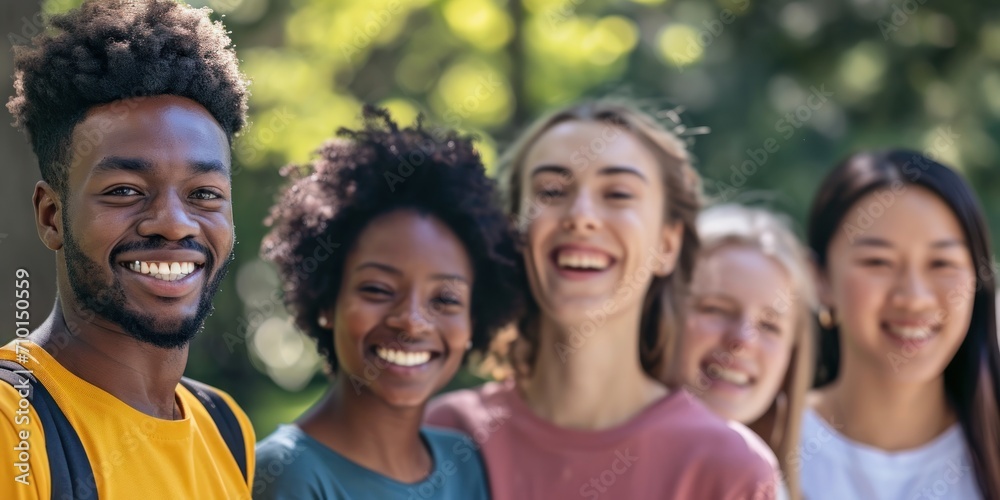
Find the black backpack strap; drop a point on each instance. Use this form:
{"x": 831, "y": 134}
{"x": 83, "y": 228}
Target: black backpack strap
{"x": 224, "y": 418}
{"x": 69, "y": 467}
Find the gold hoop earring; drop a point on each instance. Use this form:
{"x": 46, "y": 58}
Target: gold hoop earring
{"x": 826, "y": 318}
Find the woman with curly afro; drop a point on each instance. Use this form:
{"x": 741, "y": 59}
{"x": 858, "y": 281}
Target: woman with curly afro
{"x": 397, "y": 260}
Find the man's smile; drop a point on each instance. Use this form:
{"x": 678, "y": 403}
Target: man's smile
{"x": 164, "y": 273}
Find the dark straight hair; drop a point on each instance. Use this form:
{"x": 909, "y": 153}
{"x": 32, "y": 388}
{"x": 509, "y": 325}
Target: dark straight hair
{"x": 972, "y": 377}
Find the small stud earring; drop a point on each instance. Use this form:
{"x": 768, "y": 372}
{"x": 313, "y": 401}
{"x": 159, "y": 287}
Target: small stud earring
{"x": 468, "y": 346}
{"x": 826, "y": 318}
{"x": 323, "y": 321}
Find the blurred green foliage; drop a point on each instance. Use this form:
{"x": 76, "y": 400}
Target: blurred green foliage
{"x": 787, "y": 88}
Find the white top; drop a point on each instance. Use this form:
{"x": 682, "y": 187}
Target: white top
{"x": 835, "y": 468}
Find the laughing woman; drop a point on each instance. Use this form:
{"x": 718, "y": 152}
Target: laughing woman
{"x": 605, "y": 199}
{"x": 910, "y": 364}
{"x": 747, "y": 348}
{"x": 396, "y": 278}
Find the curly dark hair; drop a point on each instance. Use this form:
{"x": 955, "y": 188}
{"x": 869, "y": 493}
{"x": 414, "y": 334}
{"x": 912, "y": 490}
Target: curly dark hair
{"x": 109, "y": 50}
{"x": 374, "y": 171}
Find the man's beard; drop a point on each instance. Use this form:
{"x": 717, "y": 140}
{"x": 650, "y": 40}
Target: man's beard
{"x": 108, "y": 300}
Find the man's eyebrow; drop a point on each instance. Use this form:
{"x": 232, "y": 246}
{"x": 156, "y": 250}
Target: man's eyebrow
{"x": 118, "y": 163}
{"x": 208, "y": 167}
{"x": 139, "y": 165}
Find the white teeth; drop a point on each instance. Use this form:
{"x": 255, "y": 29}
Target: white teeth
{"x": 403, "y": 358}
{"x": 732, "y": 376}
{"x": 911, "y": 332}
{"x": 167, "y": 271}
{"x": 581, "y": 260}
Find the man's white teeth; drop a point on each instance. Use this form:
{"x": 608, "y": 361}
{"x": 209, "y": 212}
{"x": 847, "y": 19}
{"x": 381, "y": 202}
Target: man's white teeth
{"x": 166, "y": 271}
{"x": 911, "y": 332}
{"x": 403, "y": 358}
{"x": 732, "y": 376}
{"x": 582, "y": 260}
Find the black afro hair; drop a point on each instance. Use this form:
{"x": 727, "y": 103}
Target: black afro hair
{"x": 371, "y": 172}
{"x": 109, "y": 50}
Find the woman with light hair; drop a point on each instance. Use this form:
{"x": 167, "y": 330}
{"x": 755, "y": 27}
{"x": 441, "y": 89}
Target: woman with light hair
{"x": 605, "y": 199}
{"x": 747, "y": 347}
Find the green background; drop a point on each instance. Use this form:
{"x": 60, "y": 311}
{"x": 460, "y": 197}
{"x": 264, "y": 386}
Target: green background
{"x": 919, "y": 75}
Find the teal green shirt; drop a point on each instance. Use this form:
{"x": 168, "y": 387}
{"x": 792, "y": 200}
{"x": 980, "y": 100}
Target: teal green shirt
{"x": 293, "y": 465}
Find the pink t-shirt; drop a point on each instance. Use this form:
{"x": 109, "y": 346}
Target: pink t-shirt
{"x": 674, "y": 449}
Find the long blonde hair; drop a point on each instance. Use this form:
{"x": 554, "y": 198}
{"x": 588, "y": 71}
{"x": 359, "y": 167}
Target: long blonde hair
{"x": 664, "y": 300}
{"x": 726, "y": 226}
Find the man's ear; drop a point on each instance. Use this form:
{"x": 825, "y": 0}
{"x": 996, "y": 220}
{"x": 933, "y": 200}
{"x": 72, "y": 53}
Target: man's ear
{"x": 48, "y": 215}
{"x": 671, "y": 242}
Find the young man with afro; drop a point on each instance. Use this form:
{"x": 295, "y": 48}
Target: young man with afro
{"x": 131, "y": 107}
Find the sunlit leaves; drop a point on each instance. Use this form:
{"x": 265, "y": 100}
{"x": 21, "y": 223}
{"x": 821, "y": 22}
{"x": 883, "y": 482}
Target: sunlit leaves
{"x": 678, "y": 45}
{"x": 567, "y": 57}
{"x": 481, "y": 23}
{"x": 473, "y": 93}
{"x": 861, "y": 71}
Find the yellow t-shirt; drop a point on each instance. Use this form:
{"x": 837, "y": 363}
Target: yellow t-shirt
{"x": 133, "y": 455}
